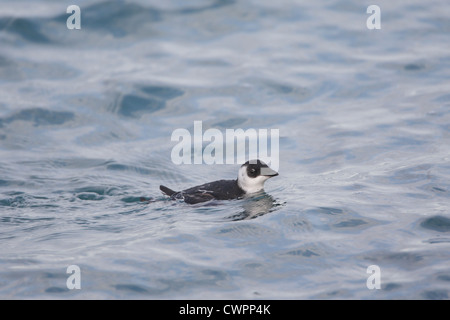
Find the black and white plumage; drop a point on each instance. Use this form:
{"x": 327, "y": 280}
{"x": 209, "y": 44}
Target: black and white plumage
{"x": 251, "y": 178}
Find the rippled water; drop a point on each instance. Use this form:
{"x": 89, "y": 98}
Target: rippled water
{"x": 86, "y": 118}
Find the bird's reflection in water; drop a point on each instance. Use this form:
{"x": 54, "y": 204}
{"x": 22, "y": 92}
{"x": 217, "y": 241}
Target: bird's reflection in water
{"x": 255, "y": 206}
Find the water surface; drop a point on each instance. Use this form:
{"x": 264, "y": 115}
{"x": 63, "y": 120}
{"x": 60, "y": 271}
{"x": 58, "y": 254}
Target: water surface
{"x": 86, "y": 118}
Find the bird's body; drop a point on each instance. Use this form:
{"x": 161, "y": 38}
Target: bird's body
{"x": 219, "y": 190}
{"x": 251, "y": 178}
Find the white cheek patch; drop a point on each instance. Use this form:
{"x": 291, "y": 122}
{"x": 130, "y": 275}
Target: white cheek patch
{"x": 250, "y": 185}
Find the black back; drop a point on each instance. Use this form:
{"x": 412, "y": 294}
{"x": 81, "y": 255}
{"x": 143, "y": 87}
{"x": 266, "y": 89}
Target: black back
{"x": 219, "y": 190}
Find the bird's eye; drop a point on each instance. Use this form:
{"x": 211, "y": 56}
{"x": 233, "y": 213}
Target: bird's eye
{"x": 252, "y": 170}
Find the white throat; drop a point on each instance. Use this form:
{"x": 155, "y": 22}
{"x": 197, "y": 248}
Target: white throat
{"x": 250, "y": 185}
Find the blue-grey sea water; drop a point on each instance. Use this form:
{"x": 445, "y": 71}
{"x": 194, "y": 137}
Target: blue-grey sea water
{"x": 86, "y": 118}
